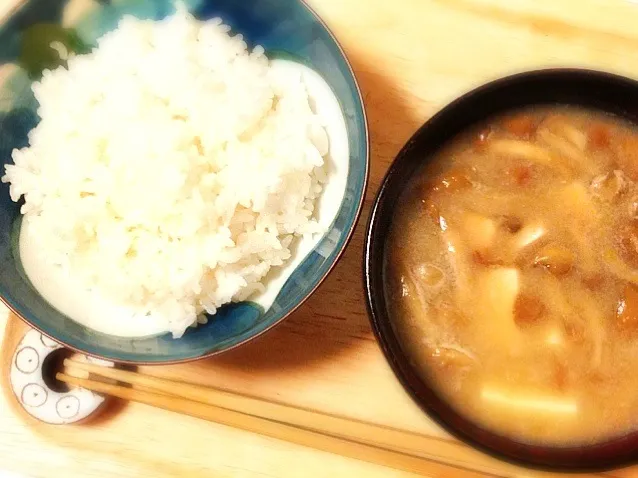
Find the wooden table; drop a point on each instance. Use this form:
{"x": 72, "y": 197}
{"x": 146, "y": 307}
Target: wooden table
{"x": 411, "y": 57}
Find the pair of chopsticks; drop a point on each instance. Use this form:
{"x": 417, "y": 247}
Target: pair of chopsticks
{"x": 364, "y": 441}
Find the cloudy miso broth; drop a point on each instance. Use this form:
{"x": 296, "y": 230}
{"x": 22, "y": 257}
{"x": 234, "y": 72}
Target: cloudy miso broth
{"x": 512, "y": 275}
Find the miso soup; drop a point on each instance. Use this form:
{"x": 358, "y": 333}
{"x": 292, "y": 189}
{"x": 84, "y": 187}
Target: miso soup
{"x": 512, "y": 275}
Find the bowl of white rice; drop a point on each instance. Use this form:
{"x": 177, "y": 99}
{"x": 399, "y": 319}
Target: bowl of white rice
{"x": 176, "y": 178}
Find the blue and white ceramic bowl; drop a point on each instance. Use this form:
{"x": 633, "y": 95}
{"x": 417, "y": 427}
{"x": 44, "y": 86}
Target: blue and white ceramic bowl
{"x": 286, "y": 28}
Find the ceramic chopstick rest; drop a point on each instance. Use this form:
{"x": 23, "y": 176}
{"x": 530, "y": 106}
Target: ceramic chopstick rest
{"x": 35, "y": 396}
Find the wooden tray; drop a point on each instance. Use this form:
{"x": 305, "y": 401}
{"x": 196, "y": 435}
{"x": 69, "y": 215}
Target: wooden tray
{"x": 411, "y": 57}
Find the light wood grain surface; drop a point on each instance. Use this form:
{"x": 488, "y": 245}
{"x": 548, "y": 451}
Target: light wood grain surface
{"x": 411, "y": 57}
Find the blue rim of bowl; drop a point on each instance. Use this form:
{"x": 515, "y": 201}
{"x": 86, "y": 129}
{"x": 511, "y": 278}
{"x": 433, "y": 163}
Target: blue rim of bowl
{"x": 336, "y": 260}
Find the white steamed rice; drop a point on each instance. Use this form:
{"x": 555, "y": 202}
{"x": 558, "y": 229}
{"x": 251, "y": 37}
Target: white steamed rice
{"x": 172, "y": 168}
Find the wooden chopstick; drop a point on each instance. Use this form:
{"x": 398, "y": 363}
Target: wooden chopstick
{"x": 273, "y": 429}
{"x": 443, "y": 453}
{"x": 350, "y": 429}
{"x": 436, "y": 449}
